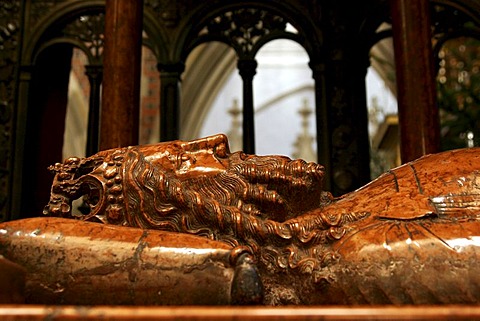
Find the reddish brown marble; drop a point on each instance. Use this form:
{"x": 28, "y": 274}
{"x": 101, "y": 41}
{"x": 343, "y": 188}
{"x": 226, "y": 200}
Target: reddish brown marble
{"x": 75, "y": 262}
{"x": 12, "y": 282}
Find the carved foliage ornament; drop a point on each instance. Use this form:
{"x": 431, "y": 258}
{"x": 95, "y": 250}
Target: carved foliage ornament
{"x": 244, "y": 28}
{"x": 39, "y": 9}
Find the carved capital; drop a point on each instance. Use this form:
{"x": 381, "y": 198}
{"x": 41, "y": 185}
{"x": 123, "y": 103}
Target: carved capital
{"x": 94, "y": 72}
{"x": 177, "y": 67}
{"x": 247, "y": 68}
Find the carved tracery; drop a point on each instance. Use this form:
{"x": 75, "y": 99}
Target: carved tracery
{"x": 243, "y": 29}
{"x": 88, "y": 29}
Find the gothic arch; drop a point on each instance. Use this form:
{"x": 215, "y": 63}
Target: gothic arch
{"x": 454, "y": 19}
{"x": 44, "y": 29}
{"x": 381, "y": 43}
{"x": 155, "y": 37}
{"x": 188, "y": 35}
{"x": 468, "y": 7}
{"x": 216, "y": 23}
{"x": 46, "y": 63}
{"x": 308, "y": 29}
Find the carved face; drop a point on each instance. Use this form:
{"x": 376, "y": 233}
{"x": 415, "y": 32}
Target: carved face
{"x": 187, "y": 159}
{"x": 104, "y": 173}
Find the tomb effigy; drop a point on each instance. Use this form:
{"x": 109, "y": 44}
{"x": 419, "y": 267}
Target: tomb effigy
{"x": 192, "y": 211}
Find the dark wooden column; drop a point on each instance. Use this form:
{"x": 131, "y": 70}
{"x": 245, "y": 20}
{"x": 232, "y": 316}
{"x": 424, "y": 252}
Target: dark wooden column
{"x": 170, "y": 100}
{"x": 417, "y": 107}
{"x": 324, "y": 146}
{"x": 121, "y": 76}
{"x": 94, "y": 74}
{"x": 247, "y": 69}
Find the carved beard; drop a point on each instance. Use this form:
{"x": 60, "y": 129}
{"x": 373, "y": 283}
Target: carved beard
{"x": 235, "y": 206}
{"x": 255, "y": 201}
{"x": 269, "y": 187}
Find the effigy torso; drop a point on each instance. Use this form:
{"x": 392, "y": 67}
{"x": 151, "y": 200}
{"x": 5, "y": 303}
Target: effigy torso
{"x": 419, "y": 242}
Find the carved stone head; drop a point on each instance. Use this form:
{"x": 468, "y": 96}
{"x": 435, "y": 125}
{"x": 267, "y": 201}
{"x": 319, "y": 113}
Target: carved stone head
{"x": 156, "y": 181}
